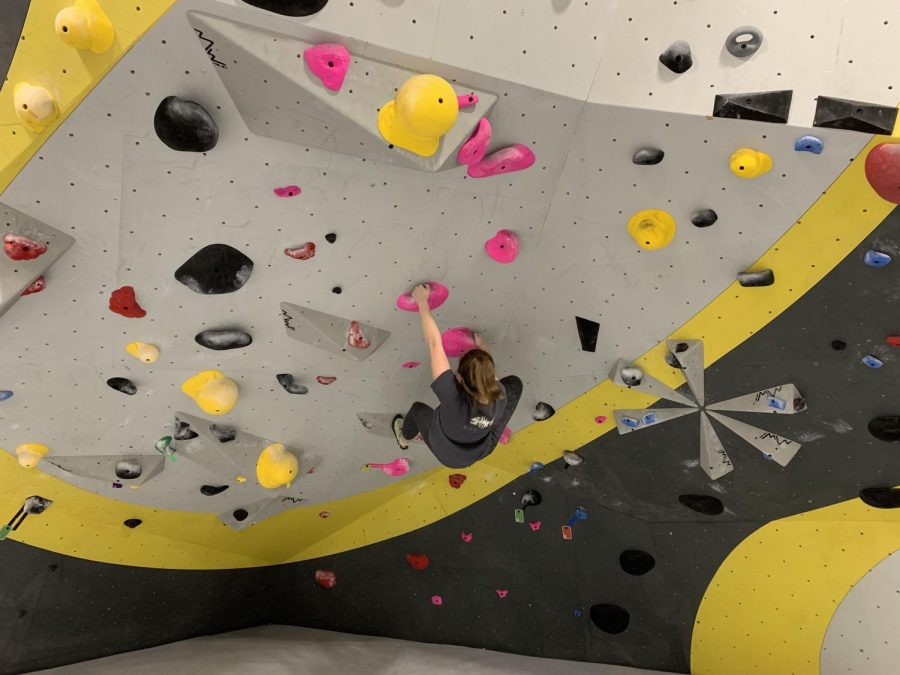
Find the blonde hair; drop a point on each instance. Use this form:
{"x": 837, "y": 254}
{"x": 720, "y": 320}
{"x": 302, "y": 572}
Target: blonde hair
{"x": 479, "y": 379}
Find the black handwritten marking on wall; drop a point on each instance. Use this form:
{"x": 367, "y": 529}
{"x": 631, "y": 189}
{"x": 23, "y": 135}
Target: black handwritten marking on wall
{"x": 293, "y": 500}
{"x": 765, "y": 393}
{"x": 778, "y": 439}
{"x": 287, "y": 318}
{"x": 208, "y": 48}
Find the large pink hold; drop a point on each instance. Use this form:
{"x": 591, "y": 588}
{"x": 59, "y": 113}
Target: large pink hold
{"x": 514, "y": 158}
{"x": 457, "y": 341}
{"x": 472, "y": 151}
{"x": 437, "y": 297}
{"x": 398, "y": 467}
{"x": 466, "y": 100}
{"x": 328, "y": 62}
{"x": 503, "y": 247}
{"x": 287, "y": 191}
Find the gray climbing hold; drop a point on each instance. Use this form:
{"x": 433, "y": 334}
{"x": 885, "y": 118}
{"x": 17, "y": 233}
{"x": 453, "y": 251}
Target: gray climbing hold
{"x": 122, "y": 384}
{"x": 648, "y": 156}
{"x": 761, "y": 278}
{"x": 128, "y": 468}
{"x": 183, "y": 431}
{"x": 228, "y": 338}
{"x": 542, "y": 411}
{"x": 185, "y": 125}
{"x": 751, "y": 39}
{"x": 212, "y": 490}
{"x": 35, "y": 505}
{"x": 704, "y": 217}
{"x": 572, "y": 458}
{"x": 215, "y": 269}
{"x": 632, "y": 376}
{"x": 677, "y": 57}
{"x": 672, "y": 360}
{"x": 286, "y": 380}
{"x": 222, "y": 434}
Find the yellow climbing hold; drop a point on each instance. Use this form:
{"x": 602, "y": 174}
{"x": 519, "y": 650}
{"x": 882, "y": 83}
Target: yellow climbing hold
{"x": 750, "y": 163}
{"x": 652, "y": 228}
{"x": 85, "y": 26}
{"x": 276, "y": 466}
{"x": 30, "y": 454}
{"x": 35, "y": 106}
{"x": 241, "y": 479}
{"x": 143, "y": 351}
{"x": 214, "y": 393}
{"x": 424, "y": 110}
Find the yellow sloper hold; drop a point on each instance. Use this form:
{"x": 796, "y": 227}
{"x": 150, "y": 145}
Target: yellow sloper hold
{"x": 425, "y": 109}
{"x": 276, "y": 467}
{"x": 30, "y": 454}
{"x": 750, "y": 163}
{"x": 652, "y": 228}
{"x": 35, "y": 106}
{"x": 84, "y": 25}
{"x": 213, "y": 393}
{"x": 142, "y": 351}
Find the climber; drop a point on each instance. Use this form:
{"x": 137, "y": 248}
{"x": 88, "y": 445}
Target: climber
{"x": 474, "y": 406}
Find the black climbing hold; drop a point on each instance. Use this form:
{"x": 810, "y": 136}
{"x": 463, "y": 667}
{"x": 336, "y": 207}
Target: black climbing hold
{"x": 222, "y": 434}
{"x": 750, "y": 40}
{"x": 337, "y": 290}
{"x": 636, "y": 562}
{"x": 183, "y": 431}
{"x": 132, "y": 522}
{"x": 215, "y": 269}
{"x": 587, "y": 332}
{"x": 228, "y": 338}
{"x": 838, "y": 345}
{"x": 677, "y": 57}
{"x": 240, "y": 514}
{"x": 185, "y": 125}
{"x": 286, "y": 380}
{"x": 542, "y": 411}
{"x": 760, "y": 106}
{"x": 35, "y": 504}
{"x": 885, "y": 428}
{"x": 212, "y": 490}
{"x": 704, "y": 217}
{"x": 799, "y": 404}
{"x": 531, "y": 498}
{"x": 122, "y": 384}
{"x": 290, "y": 7}
{"x": 672, "y": 360}
{"x": 881, "y": 497}
{"x": 647, "y": 156}
{"x": 761, "y": 278}
{"x": 869, "y": 118}
{"x": 710, "y": 506}
{"x": 128, "y": 468}
{"x": 610, "y": 618}
{"x": 331, "y": 237}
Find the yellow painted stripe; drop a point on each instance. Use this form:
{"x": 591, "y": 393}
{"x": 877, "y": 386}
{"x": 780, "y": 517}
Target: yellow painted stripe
{"x": 69, "y": 74}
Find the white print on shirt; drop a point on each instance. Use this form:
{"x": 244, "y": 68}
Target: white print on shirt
{"x": 481, "y": 422}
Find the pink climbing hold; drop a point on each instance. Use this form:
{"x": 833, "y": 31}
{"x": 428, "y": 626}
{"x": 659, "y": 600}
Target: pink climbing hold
{"x": 356, "y": 338}
{"x": 328, "y": 62}
{"x": 466, "y": 100}
{"x": 325, "y": 379}
{"x": 457, "y": 341}
{"x": 22, "y": 248}
{"x": 473, "y": 150}
{"x": 466, "y": 536}
{"x": 437, "y": 297}
{"x": 535, "y": 525}
{"x": 514, "y": 158}
{"x": 398, "y": 467}
{"x": 883, "y": 171}
{"x": 287, "y": 191}
{"x": 502, "y": 593}
{"x": 305, "y": 252}
{"x": 437, "y": 600}
{"x": 36, "y": 286}
{"x": 503, "y": 247}
{"x": 600, "y": 419}
{"x": 411, "y": 364}
{"x": 506, "y": 435}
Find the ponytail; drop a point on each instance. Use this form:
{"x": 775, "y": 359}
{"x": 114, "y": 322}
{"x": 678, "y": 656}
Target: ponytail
{"x": 479, "y": 378}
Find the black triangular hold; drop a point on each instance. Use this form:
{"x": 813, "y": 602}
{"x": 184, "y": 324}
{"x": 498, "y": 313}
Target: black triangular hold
{"x": 881, "y": 497}
{"x": 869, "y": 118}
{"x": 587, "y": 332}
{"x": 760, "y": 106}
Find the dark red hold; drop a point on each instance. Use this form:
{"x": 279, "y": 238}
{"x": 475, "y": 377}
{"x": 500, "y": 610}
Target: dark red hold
{"x": 22, "y": 248}
{"x": 325, "y": 379}
{"x": 418, "y": 561}
{"x": 883, "y": 171}
{"x": 326, "y": 578}
{"x": 456, "y": 480}
{"x": 893, "y": 340}
{"x": 36, "y": 286}
{"x": 122, "y": 301}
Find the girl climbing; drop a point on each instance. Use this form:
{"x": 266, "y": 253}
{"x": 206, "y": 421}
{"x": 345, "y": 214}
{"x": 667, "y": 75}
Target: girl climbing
{"x": 474, "y": 406}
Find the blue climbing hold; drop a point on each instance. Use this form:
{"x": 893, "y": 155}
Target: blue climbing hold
{"x": 631, "y": 422}
{"x": 649, "y": 418}
{"x": 536, "y": 466}
{"x": 875, "y": 258}
{"x": 776, "y": 403}
{"x": 578, "y": 613}
{"x": 5, "y": 394}
{"x": 809, "y": 144}
{"x": 872, "y": 361}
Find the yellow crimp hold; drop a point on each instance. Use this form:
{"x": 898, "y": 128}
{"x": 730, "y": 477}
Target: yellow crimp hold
{"x": 277, "y": 466}
{"x": 142, "y": 351}
{"x": 30, "y": 454}
{"x": 213, "y": 393}
{"x": 84, "y": 25}
{"x": 35, "y": 106}
{"x": 424, "y": 110}
{"x": 652, "y": 228}
{"x": 750, "y": 163}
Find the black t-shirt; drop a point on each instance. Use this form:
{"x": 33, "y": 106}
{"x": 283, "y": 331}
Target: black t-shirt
{"x": 461, "y": 420}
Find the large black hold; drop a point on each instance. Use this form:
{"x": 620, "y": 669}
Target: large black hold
{"x": 215, "y": 269}
{"x": 610, "y": 618}
{"x": 587, "y": 332}
{"x": 636, "y": 562}
{"x": 677, "y": 57}
{"x": 185, "y": 125}
{"x": 760, "y": 106}
{"x": 705, "y": 504}
{"x": 881, "y": 497}
{"x": 885, "y": 428}
{"x": 122, "y": 384}
{"x": 869, "y": 118}
{"x": 227, "y": 338}
{"x": 290, "y": 7}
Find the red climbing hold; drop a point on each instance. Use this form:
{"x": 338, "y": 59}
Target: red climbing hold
{"x": 457, "y": 341}
{"x": 503, "y": 247}
{"x": 324, "y": 514}
{"x": 328, "y": 62}
{"x": 356, "y": 338}
{"x": 122, "y": 301}
{"x": 456, "y": 480}
{"x": 36, "y": 286}
{"x": 305, "y": 252}
{"x": 465, "y": 100}
{"x": 326, "y": 578}
{"x": 437, "y": 297}
{"x": 514, "y": 158}
{"x": 411, "y": 364}
{"x": 472, "y": 151}
{"x": 287, "y": 191}
{"x": 325, "y": 379}
{"x": 893, "y": 340}
{"x": 418, "y": 561}
{"x": 883, "y": 171}
{"x": 501, "y": 593}
{"x": 22, "y": 248}
{"x": 466, "y": 536}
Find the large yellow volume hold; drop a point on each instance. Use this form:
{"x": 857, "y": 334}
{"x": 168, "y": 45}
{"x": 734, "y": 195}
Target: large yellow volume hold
{"x": 750, "y": 163}
{"x": 35, "y": 106}
{"x": 214, "y": 393}
{"x": 85, "y": 26}
{"x": 30, "y": 454}
{"x": 276, "y": 467}
{"x": 424, "y": 109}
{"x": 652, "y": 228}
{"x": 142, "y": 351}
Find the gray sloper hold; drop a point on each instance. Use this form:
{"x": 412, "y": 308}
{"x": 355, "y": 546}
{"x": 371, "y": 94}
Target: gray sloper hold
{"x": 183, "y": 431}
{"x": 286, "y": 380}
{"x": 648, "y": 156}
{"x": 122, "y": 384}
{"x": 704, "y": 217}
{"x": 185, "y": 125}
{"x": 35, "y": 504}
{"x": 744, "y": 47}
{"x": 222, "y": 434}
{"x": 632, "y": 375}
{"x": 128, "y": 468}
{"x": 215, "y": 269}
{"x": 219, "y": 340}
{"x": 542, "y": 411}
{"x": 752, "y": 279}
{"x": 677, "y": 57}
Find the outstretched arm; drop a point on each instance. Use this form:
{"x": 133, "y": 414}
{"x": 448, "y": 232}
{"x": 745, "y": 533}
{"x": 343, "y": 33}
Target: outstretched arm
{"x": 439, "y": 362}
{"x": 481, "y": 343}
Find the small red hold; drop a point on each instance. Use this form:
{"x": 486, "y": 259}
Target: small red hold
{"x": 465, "y": 100}
{"x": 535, "y": 525}
{"x": 418, "y": 561}
{"x": 122, "y": 301}
{"x": 287, "y": 191}
{"x": 325, "y": 379}
{"x": 18, "y": 247}
{"x": 356, "y": 337}
{"x": 411, "y": 364}
{"x": 326, "y": 578}
{"x": 36, "y": 286}
{"x": 883, "y": 171}
{"x": 600, "y": 419}
{"x": 456, "y": 480}
{"x": 502, "y": 593}
{"x": 324, "y": 514}
{"x": 893, "y": 340}
{"x": 305, "y": 252}
{"x": 466, "y": 536}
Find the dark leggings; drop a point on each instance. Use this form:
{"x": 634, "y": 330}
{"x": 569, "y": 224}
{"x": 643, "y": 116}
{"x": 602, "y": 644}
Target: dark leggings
{"x": 419, "y": 418}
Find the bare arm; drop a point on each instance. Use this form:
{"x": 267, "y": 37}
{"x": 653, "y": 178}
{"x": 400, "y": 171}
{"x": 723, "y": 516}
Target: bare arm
{"x": 432, "y": 333}
{"x": 481, "y": 343}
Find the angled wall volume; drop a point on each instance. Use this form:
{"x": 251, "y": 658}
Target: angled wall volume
{"x": 332, "y": 333}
